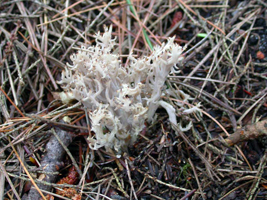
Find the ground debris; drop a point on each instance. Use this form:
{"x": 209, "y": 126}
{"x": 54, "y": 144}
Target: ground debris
{"x": 51, "y": 162}
{"x": 249, "y": 132}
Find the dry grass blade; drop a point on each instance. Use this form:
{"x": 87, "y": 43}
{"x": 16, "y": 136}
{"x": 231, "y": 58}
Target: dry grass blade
{"x": 4, "y": 174}
{"x": 28, "y": 174}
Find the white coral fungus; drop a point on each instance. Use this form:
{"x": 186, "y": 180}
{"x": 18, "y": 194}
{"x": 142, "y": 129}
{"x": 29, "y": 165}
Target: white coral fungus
{"x": 120, "y": 99}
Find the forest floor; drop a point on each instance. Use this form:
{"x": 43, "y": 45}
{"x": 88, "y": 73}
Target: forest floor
{"x": 222, "y": 156}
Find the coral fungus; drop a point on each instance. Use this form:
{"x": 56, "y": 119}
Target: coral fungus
{"x": 120, "y": 99}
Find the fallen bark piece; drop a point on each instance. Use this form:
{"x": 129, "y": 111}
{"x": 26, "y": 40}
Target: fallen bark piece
{"x": 249, "y": 132}
{"x": 51, "y": 161}
{"x": 71, "y": 179}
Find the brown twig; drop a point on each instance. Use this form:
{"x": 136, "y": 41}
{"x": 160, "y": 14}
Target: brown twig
{"x": 52, "y": 161}
{"x": 248, "y": 132}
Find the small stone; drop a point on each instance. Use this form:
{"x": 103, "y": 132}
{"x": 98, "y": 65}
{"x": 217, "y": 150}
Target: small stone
{"x": 253, "y": 40}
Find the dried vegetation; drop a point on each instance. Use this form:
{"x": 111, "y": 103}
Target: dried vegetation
{"x": 224, "y": 69}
